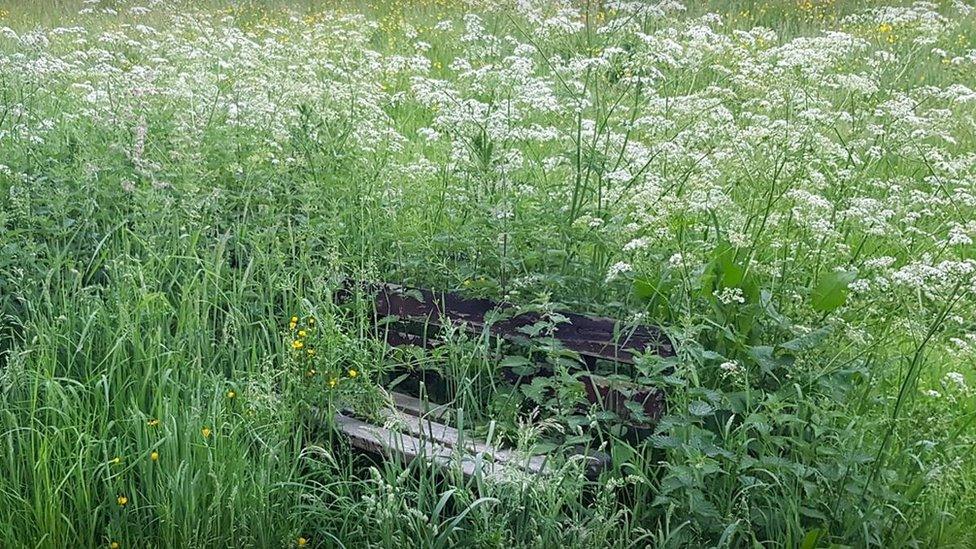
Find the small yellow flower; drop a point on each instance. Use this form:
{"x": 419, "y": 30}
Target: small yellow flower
{"x": 297, "y": 344}
{"x": 302, "y": 542}
{"x": 231, "y": 394}
{"x": 294, "y": 319}
{"x": 154, "y": 456}
{"x": 114, "y": 545}
{"x": 310, "y": 372}
{"x": 311, "y": 321}
{"x": 333, "y": 382}
{"x": 206, "y": 432}
{"x": 302, "y": 333}
{"x": 311, "y": 352}
{"x": 353, "y": 372}
{"x": 122, "y": 500}
{"x": 152, "y": 422}
{"x": 116, "y": 460}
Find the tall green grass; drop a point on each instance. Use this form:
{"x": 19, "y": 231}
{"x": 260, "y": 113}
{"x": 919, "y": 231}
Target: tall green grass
{"x": 150, "y": 396}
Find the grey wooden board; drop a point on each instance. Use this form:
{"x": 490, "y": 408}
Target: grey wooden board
{"x": 415, "y": 406}
{"x": 439, "y": 444}
{"x": 419, "y": 426}
{"x": 380, "y": 440}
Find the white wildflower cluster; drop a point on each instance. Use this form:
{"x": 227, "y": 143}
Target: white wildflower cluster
{"x": 618, "y": 269}
{"x": 732, "y": 369}
{"x": 640, "y": 131}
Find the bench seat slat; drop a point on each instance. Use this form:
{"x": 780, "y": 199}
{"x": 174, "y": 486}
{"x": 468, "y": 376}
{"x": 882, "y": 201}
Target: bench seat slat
{"x": 380, "y": 440}
{"x": 412, "y": 418}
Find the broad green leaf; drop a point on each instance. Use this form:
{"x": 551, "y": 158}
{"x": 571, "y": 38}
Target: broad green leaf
{"x": 644, "y": 288}
{"x": 700, "y": 408}
{"x": 807, "y": 341}
{"x": 832, "y": 290}
{"x": 519, "y": 365}
{"x": 811, "y": 539}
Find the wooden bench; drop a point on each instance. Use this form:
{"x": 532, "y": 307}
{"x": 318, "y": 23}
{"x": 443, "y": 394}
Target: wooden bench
{"x": 414, "y": 429}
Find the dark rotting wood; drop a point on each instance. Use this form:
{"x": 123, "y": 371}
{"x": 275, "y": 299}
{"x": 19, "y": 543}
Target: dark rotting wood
{"x": 596, "y": 337}
{"x": 607, "y": 394}
{"x": 614, "y": 396}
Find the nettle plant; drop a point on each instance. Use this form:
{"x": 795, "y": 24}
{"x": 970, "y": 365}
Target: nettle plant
{"x": 748, "y": 422}
{"x": 764, "y": 411}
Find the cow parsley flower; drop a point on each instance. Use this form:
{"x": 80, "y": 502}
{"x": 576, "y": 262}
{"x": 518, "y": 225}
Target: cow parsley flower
{"x": 618, "y": 269}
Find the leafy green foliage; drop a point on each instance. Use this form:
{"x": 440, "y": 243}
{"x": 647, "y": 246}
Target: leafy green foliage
{"x": 831, "y": 292}
{"x": 175, "y": 185}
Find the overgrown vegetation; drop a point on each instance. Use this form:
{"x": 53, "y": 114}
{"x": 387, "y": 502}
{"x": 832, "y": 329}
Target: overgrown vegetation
{"x": 787, "y": 188}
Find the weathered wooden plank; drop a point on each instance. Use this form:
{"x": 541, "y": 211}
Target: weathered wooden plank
{"x": 414, "y": 421}
{"x": 595, "y": 337}
{"x": 382, "y": 441}
{"x": 438, "y": 444}
{"x": 417, "y": 407}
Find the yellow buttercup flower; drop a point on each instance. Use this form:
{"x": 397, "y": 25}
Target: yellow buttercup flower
{"x": 122, "y": 500}
{"x": 114, "y": 545}
{"x": 294, "y": 319}
{"x": 353, "y": 372}
{"x": 206, "y": 432}
{"x": 311, "y": 352}
{"x": 152, "y": 422}
{"x": 302, "y": 542}
{"x": 333, "y": 382}
{"x": 231, "y": 394}
{"x": 116, "y": 460}
{"x": 302, "y": 333}
{"x": 297, "y": 344}
{"x": 154, "y": 456}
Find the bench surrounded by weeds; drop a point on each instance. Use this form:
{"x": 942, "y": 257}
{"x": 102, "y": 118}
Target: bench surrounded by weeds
{"x": 413, "y": 427}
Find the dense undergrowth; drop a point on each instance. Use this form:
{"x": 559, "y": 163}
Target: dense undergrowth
{"x": 787, "y": 187}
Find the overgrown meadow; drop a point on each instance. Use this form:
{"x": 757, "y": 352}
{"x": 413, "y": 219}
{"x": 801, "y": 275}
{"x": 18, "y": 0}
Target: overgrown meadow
{"x": 788, "y": 188}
